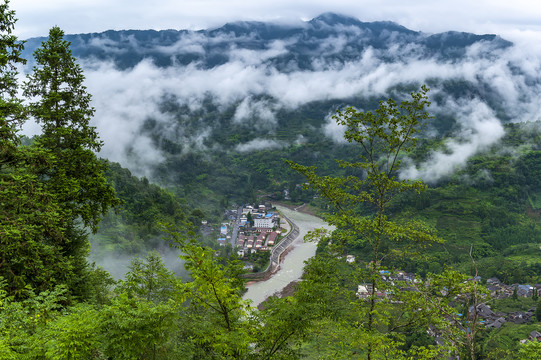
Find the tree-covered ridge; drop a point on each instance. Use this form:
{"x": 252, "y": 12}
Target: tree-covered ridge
{"x": 135, "y": 226}
{"x": 127, "y": 48}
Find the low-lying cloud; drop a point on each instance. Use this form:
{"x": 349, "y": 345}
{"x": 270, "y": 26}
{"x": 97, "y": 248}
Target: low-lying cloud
{"x": 261, "y": 82}
{"x": 259, "y": 144}
{"x": 479, "y": 130}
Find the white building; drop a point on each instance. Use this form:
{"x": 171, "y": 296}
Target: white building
{"x": 264, "y": 222}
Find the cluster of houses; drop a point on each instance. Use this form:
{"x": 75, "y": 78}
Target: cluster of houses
{"x": 495, "y": 320}
{"x": 258, "y": 228}
{"x": 487, "y": 316}
{"x": 499, "y": 290}
{"x": 262, "y": 233}
{"x": 405, "y": 280}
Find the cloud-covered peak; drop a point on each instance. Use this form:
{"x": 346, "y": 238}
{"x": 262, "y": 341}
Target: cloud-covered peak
{"x": 333, "y": 19}
{"x": 454, "y": 39}
{"x": 248, "y": 86}
{"x": 329, "y": 38}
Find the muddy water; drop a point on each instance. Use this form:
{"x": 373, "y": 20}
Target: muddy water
{"x": 293, "y": 263}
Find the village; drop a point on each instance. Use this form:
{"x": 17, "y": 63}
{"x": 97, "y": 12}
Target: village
{"x": 252, "y": 229}
{"x": 488, "y": 318}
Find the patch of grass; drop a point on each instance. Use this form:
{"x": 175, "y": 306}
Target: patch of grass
{"x": 509, "y": 305}
{"x": 458, "y": 229}
{"x": 507, "y": 337}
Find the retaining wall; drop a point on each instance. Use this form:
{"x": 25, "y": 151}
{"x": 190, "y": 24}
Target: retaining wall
{"x": 276, "y": 252}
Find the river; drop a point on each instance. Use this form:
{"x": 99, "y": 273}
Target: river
{"x": 292, "y": 265}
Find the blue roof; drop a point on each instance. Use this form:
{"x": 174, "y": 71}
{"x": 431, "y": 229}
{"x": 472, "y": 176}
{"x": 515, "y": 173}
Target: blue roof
{"x": 269, "y": 215}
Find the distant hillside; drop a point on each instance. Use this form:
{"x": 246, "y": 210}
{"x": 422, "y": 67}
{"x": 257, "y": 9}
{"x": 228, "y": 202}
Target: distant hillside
{"x": 329, "y": 37}
{"x": 212, "y": 114}
{"x": 177, "y": 94}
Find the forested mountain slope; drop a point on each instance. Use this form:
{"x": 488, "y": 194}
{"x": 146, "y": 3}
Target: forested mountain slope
{"x": 489, "y": 208}
{"x": 212, "y": 114}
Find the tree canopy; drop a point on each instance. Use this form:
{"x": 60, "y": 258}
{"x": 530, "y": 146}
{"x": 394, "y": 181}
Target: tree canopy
{"x": 55, "y": 188}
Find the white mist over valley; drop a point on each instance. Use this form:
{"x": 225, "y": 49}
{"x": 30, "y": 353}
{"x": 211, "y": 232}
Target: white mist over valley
{"x": 250, "y": 73}
{"x": 257, "y": 79}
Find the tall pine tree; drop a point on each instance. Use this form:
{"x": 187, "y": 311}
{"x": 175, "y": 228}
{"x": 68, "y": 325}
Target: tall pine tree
{"x": 61, "y": 104}
{"x": 31, "y": 222}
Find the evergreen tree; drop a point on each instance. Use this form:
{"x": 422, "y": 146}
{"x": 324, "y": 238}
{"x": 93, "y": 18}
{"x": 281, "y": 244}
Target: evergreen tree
{"x": 75, "y": 176}
{"x": 11, "y": 110}
{"x": 62, "y": 107}
{"x": 31, "y": 222}
{"x": 250, "y": 219}
{"x": 149, "y": 279}
{"x": 31, "y": 225}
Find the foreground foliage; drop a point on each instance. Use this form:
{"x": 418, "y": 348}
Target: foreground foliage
{"x": 388, "y": 311}
{"x": 53, "y": 305}
{"x": 154, "y": 315}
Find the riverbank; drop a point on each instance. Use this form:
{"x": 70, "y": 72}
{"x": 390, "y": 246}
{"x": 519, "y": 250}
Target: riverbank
{"x": 269, "y": 275}
{"x": 291, "y": 266}
{"x": 304, "y": 208}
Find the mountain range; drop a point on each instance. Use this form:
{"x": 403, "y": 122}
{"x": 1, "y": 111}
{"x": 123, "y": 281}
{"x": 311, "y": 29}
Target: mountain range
{"x": 186, "y": 96}
{"x": 330, "y": 36}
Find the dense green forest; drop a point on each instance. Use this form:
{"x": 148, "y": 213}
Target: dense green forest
{"x": 491, "y": 203}
{"x": 57, "y": 197}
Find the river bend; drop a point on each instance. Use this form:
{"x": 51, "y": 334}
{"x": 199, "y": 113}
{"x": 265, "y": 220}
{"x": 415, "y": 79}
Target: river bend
{"x": 292, "y": 265}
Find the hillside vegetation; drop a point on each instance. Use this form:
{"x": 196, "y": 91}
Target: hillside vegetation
{"x": 402, "y": 277}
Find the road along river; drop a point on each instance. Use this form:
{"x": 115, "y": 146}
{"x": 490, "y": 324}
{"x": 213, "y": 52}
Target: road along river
{"x": 292, "y": 265}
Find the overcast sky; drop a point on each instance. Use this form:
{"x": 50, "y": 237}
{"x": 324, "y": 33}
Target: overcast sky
{"x": 514, "y": 20}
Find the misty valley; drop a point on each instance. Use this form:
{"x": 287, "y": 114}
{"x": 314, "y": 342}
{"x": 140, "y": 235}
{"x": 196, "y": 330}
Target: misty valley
{"x": 148, "y": 178}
